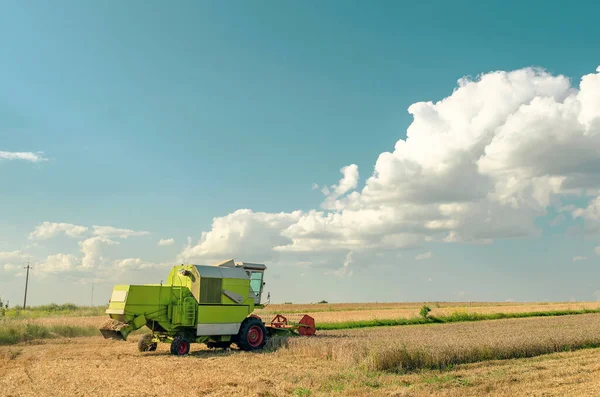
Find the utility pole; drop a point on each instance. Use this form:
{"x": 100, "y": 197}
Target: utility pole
{"x": 26, "y": 282}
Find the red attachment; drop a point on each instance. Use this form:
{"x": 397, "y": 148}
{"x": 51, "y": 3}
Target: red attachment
{"x": 279, "y": 321}
{"x": 308, "y": 328}
{"x": 306, "y": 325}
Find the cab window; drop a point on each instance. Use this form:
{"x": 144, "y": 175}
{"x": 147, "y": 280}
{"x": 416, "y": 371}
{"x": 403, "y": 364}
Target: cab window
{"x": 256, "y": 282}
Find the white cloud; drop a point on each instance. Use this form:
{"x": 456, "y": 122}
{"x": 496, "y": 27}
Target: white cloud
{"x": 579, "y": 258}
{"x": 110, "y": 231}
{"x": 348, "y": 182}
{"x": 165, "y": 242}
{"x": 92, "y": 250}
{"x": 423, "y": 256}
{"x": 481, "y": 164}
{"x": 14, "y": 260}
{"x": 47, "y": 230}
{"x": 243, "y": 232}
{"x": 59, "y": 263}
{"x": 24, "y": 156}
{"x": 132, "y": 264}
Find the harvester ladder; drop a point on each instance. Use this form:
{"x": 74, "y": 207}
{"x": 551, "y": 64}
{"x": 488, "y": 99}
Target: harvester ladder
{"x": 189, "y": 311}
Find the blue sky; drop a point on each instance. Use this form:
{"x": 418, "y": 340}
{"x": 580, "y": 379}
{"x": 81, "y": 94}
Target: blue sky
{"x": 160, "y": 118}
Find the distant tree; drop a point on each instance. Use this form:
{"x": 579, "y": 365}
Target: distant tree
{"x": 323, "y": 301}
{"x": 425, "y": 311}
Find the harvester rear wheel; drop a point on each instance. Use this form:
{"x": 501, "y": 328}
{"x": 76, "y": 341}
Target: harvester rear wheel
{"x": 145, "y": 343}
{"x": 180, "y": 346}
{"x": 252, "y": 334}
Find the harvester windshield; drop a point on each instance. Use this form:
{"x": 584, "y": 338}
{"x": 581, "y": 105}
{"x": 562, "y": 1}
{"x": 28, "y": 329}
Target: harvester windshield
{"x": 256, "y": 272}
{"x": 256, "y": 282}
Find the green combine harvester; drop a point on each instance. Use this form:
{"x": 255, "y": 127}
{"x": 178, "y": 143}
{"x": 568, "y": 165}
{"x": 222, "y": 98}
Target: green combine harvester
{"x": 199, "y": 304}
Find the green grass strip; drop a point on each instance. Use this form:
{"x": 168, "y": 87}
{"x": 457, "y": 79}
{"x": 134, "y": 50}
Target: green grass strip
{"x": 452, "y": 318}
{"x": 13, "y": 332}
{"x": 52, "y": 310}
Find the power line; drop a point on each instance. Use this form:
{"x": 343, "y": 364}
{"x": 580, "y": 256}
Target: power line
{"x": 26, "y": 282}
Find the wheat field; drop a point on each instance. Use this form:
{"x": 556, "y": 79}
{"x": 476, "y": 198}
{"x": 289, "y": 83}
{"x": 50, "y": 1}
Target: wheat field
{"x": 359, "y": 362}
{"x": 325, "y": 313}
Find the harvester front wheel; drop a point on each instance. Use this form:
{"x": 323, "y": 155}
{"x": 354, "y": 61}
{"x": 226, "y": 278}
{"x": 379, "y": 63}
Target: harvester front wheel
{"x": 180, "y": 346}
{"x": 145, "y": 343}
{"x": 252, "y": 334}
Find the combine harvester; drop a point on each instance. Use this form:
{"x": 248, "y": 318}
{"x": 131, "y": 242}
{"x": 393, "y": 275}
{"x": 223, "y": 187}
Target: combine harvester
{"x": 199, "y": 304}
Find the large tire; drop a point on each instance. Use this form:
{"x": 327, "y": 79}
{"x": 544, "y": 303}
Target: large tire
{"x": 145, "y": 343}
{"x": 252, "y": 334}
{"x": 180, "y": 346}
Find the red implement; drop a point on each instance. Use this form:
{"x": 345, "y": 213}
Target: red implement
{"x": 308, "y": 327}
{"x": 305, "y": 326}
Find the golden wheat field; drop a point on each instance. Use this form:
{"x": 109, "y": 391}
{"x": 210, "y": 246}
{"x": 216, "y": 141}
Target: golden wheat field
{"x": 361, "y": 362}
{"x": 326, "y": 313}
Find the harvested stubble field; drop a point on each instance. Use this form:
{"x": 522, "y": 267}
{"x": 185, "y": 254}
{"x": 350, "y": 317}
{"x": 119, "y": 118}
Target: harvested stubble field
{"x": 351, "y": 362}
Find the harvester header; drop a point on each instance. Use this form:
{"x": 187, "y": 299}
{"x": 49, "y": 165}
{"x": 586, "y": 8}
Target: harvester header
{"x": 211, "y": 304}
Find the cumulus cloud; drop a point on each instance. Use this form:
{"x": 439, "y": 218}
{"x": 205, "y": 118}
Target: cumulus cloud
{"x": 24, "y": 156}
{"x": 59, "y": 263}
{"x": 165, "y": 242}
{"x": 423, "y": 256}
{"x": 348, "y": 182}
{"x": 478, "y": 165}
{"x": 48, "y": 230}
{"x": 110, "y": 231}
{"x": 253, "y": 234}
{"x": 92, "y": 250}
{"x": 132, "y": 264}
{"x": 13, "y": 261}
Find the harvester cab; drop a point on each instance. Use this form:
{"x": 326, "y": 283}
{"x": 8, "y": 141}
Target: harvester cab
{"x": 211, "y": 304}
